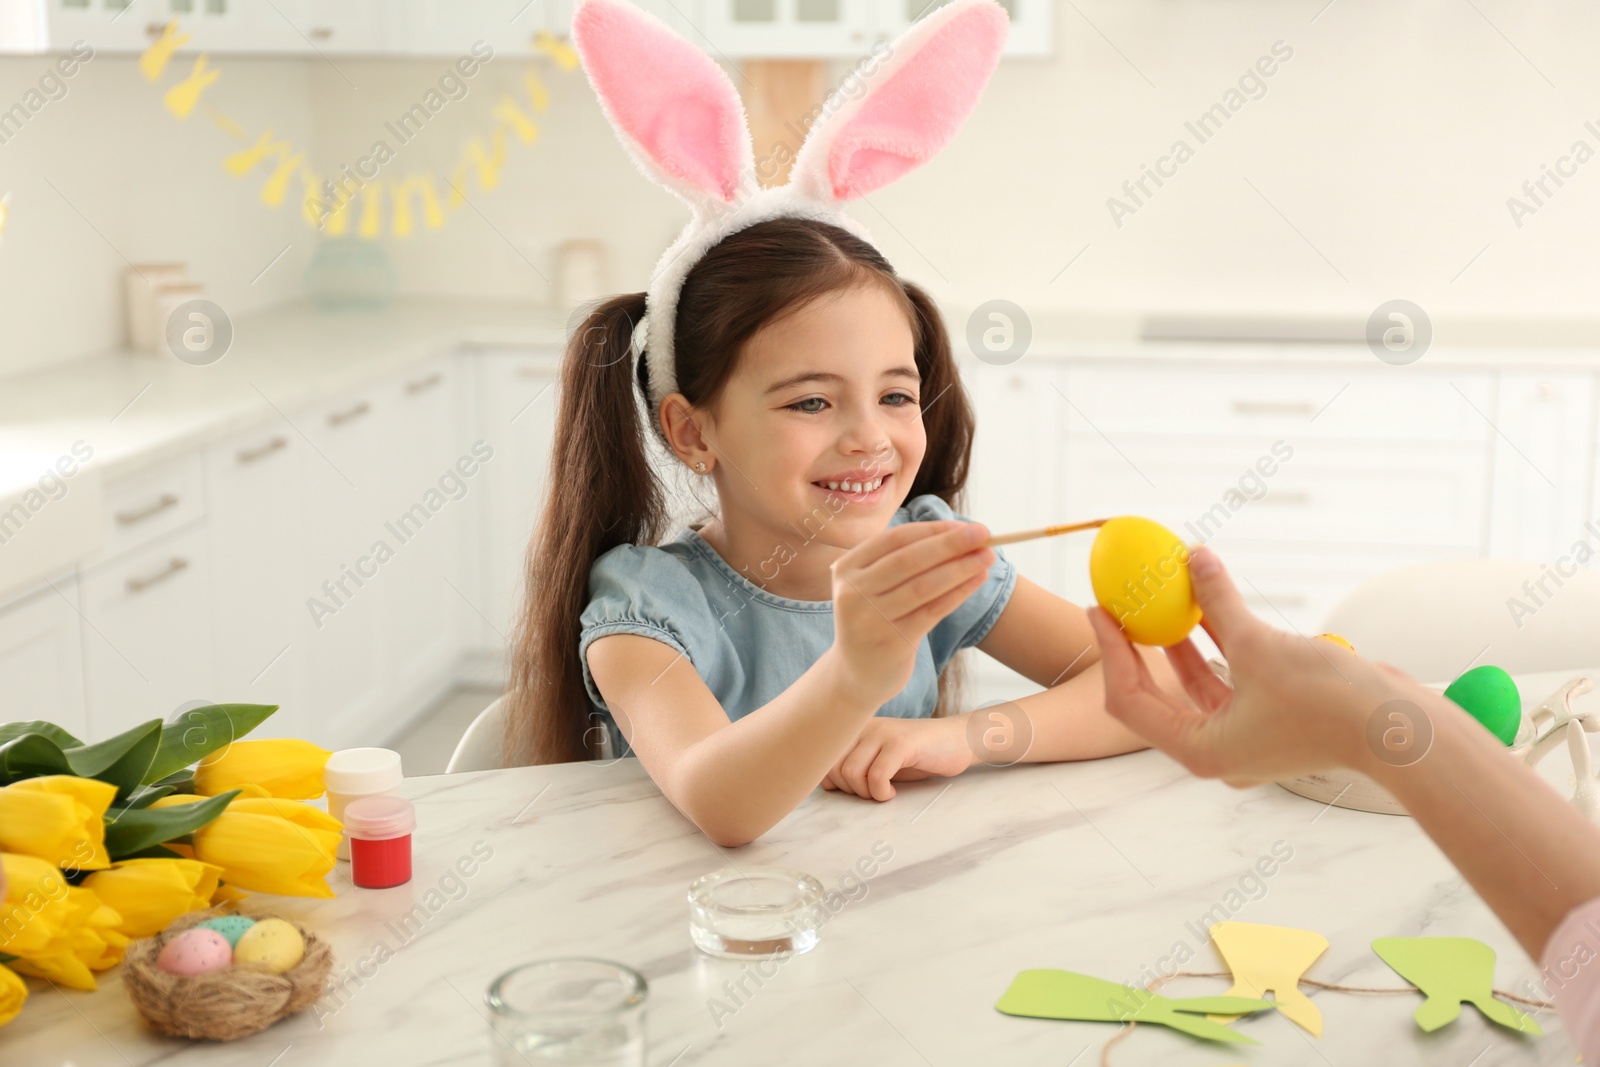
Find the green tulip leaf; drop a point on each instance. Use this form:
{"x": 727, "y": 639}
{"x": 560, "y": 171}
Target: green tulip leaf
{"x": 29, "y": 756}
{"x": 181, "y": 781}
{"x": 201, "y": 731}
{"x": 55, "y": 733}
{"x": 6, "y": 959}
{"x": 122, "y": 760}
{"x": 154, "y": 852}
{"x": 136, "y": 829}
{"x": 146, "y": 795}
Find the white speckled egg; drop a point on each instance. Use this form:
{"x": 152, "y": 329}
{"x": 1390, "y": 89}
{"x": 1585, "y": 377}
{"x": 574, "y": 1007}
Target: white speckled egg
{"x": 271, "y": 943}
{"x": 195, "y": 952}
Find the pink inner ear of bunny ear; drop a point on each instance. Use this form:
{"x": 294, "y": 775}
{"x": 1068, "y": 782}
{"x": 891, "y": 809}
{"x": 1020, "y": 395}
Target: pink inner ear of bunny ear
{"x": 666, "y": 96}
{"x": 917, "y": 111}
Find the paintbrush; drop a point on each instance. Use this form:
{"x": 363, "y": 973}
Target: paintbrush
{"x": 1044, "y": 531}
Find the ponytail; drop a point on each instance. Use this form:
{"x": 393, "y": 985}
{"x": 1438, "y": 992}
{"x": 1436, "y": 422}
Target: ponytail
{"x": 600, "y": 492}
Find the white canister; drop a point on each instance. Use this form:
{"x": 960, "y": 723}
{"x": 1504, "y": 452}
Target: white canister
{"x": 353, "y": 773}
{"x": 139, "y": 285}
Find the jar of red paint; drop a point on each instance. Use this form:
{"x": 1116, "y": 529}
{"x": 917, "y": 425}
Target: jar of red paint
{"x": 379, "y": 829}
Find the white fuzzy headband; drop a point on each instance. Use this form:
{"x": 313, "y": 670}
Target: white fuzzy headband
{"x": 680, "y": 118}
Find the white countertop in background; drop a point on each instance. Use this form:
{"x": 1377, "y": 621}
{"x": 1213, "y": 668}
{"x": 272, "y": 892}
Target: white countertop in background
{"x": 134, "y": 407}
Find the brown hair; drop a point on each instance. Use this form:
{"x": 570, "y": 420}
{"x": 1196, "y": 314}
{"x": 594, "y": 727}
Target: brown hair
{"x": 602, "y": 488}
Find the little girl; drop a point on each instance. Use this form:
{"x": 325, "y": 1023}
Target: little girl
{"x": 802, "y": 635}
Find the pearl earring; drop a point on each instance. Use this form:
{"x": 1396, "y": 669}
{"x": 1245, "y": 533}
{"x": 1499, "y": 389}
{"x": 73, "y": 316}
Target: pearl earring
{"x": 700, "y": 467}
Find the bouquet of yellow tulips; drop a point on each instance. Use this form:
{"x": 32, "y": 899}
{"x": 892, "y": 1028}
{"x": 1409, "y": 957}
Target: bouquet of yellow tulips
{"x": 103, "y": 843}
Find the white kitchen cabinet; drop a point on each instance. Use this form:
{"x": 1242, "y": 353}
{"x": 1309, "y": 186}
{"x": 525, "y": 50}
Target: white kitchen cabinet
{"x": 429, "y": 28}
{"x": 1543, "y": 463}
{"x": 1032, "y": 31}
{"x": 518, "y": 395}
{"x": 148, "y": 642}
{"x": 788, "y": 28}
{"x": 41, "y": 657}
{"x": 129, "y": 26}
{"x": 342, "y": 560}
{"x": 254, "y": 527}
{"x": 423, "y": 494}
{"x": 1015, "y": 479}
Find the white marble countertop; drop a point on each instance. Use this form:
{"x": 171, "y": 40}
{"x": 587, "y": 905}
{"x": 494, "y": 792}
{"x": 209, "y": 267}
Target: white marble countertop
{"x": 1102, "y": 867}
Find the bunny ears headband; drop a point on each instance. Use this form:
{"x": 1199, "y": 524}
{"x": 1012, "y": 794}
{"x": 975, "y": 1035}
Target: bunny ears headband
{"x": 680, "y": 118}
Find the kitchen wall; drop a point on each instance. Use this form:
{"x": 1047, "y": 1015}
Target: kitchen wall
{"x": 103, "y": 176}
{"x": 1375, "y": 162}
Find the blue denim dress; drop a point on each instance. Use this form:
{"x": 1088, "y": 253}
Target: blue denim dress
{"x": 750, "y": 645}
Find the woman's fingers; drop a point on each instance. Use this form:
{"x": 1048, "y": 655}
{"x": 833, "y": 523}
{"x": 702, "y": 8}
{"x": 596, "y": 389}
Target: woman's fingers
{"x": 1208, "y": 691}
{"x": 1133, "y": 697}
{"x": 1224, "y": 611}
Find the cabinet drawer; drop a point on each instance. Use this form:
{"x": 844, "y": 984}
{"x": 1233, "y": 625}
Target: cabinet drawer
{"x": 1269, "y": 401}
{"x": 1371, "y": 494}
{"x": 149, "y": 503}
{"x": 148, "y": 643}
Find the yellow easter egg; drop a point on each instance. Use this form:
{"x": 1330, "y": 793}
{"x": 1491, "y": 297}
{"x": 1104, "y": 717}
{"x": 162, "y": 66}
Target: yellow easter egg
{"x": 1335, "y": 639}
{"x": 1140, "y": 573}
{"x": 272, "y": 944}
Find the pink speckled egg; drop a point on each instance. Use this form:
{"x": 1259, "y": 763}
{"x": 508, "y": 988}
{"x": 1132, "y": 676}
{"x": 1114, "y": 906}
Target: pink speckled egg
{"x": 195, "y": 951}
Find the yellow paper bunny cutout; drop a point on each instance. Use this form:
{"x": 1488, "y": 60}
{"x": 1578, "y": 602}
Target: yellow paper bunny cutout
{"x": 1272, "y": 958}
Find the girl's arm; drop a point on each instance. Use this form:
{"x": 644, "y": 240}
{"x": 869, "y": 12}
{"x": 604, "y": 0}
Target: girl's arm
{"x": 735, "y": 780}
{"x": 1049, "y": 641}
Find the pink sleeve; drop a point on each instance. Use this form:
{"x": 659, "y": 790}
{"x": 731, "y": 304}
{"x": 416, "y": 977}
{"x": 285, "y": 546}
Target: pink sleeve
{"x": 1570, "y": 967}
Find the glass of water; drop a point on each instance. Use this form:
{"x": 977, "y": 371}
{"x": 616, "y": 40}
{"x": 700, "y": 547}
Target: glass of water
{"x": 575, "y": 1011}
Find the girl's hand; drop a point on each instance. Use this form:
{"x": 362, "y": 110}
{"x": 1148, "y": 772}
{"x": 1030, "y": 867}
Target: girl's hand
{"x": 1295, "y": 705}
{"x": 894, "y": 587}
{"x": 901, "y": 750}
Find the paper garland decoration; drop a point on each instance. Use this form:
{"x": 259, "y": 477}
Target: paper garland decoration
{"x": 1049, "y": 994}
{"x": 1263, "y": 958}
{"x": 326, "y": 205}
{"x": 1450, "y": 971}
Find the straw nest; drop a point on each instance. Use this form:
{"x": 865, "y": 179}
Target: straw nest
{"x": 225, "y": 1004}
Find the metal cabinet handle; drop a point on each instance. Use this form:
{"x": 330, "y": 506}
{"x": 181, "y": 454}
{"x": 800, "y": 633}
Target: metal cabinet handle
{"x": 321, "y": 33}
{"x": 529, "y": 370}
{"x": 129, "y": 518}
{"x": 422, "y": 385}
{"x": 250, "y": 455}
{"x": 174, "y": 565}
{"x": 339, "y": 418}
{"x": 1273, "y": 407}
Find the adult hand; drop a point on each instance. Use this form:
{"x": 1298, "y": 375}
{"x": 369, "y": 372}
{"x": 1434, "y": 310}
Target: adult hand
{"x": 1295, "y": 704}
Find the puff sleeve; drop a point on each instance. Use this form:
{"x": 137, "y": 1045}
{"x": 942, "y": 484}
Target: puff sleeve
{"x": 644, "y": 590}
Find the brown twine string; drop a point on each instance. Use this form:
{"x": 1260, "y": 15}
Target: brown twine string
{"x": 1150, "y": 987}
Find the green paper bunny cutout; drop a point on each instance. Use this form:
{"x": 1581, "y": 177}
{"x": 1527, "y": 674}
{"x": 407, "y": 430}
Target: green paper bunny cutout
{"x": 1048, "y": 994}
{"x": 1450, "y": 971}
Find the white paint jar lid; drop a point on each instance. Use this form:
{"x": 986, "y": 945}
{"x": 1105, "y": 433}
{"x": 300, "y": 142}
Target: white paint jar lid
{"x": 360, "y": 771}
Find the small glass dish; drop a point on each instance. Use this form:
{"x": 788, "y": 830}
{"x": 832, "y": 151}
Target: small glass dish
{"x": 582, "y": 1012}
{"x": 756, "y": 913}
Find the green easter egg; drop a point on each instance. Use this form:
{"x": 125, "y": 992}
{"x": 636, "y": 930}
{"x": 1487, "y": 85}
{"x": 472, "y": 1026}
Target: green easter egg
{"x": 231, "y": 927}
{"x": 1489, "y": 695}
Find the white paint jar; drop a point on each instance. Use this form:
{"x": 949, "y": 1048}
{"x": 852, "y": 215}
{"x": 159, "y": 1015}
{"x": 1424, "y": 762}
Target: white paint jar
{"x": 353, "y": 773}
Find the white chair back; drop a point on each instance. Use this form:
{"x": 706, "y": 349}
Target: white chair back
{"x": 1434, "y": 620}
